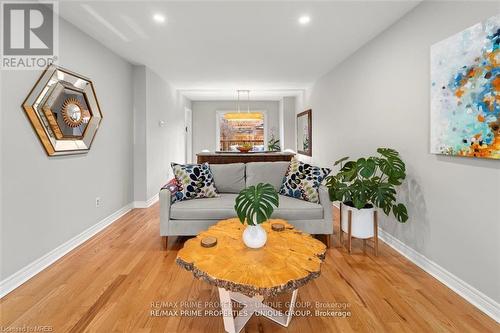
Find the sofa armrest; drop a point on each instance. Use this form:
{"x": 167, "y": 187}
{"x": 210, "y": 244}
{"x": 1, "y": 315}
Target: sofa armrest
{"x": 324, "y": 200}
{"x": 165, "y": 199}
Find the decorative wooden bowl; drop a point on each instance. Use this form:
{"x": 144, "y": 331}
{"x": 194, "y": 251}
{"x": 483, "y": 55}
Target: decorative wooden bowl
{"x": 244, "y": 149}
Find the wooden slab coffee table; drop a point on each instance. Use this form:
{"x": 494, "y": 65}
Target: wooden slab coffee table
{"x": 289, "y": 260}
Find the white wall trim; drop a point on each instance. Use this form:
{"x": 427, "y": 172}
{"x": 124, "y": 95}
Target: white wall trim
{"x": 484, "y": 303}
{"x": 24, "y": 274}
{"x": 148, "y": 203}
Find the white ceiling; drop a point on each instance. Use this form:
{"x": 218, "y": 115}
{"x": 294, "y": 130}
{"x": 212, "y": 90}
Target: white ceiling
{"x": 206, "y": 46}
{"x": 232, "y": 95}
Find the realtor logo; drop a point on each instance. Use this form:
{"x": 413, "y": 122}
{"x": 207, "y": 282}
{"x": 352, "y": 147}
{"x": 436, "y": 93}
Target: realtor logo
{"x": 29, "y": 34}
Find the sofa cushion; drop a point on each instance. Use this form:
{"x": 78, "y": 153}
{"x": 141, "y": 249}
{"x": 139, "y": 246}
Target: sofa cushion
{"x": 194, "y": 181}
{"x": 229, "y": 178}
{"x": 223, "y": 208}
{"x": 295, "y": 209}
{"x": 266, "y": 172}
{"x": 218, "y": 208}
{"x": 302, "y": 181}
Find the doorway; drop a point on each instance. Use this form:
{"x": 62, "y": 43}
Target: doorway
{"x": 188, "y": 134}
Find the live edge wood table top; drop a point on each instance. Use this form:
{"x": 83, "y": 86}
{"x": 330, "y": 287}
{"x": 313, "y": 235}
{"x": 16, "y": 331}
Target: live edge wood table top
{"x": 287, "y": 261}
{"x": 236, "y": 157}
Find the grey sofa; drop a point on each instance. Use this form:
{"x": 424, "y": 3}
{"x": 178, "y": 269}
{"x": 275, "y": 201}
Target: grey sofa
{"x": 193, "y": 216}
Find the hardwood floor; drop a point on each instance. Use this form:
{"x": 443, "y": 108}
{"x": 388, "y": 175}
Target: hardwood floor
{"x": 122, "y": 281}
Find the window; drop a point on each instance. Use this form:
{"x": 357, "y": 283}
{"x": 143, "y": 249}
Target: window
{"x": 237, "y": 129}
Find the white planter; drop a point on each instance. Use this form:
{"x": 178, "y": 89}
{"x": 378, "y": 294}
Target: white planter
{"x": 362, "y": 221}
{"x": 254, "y": 236}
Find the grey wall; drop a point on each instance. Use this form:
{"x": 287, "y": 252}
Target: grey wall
{"x": 186, "y": 103}
{"x": 378, "y": 97}
{"x": 204, "y": 119}
{"x": 140, "y": 133}
{"x": 47, "y": 201}
{"x": 155, "y": 146}
{"x": 161, "y": 105}
{"x": 287, "y": 123}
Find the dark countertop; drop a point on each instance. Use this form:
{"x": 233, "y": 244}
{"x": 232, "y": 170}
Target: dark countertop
{"x": 231, "y": 153}
{"x": 227, "y": 157}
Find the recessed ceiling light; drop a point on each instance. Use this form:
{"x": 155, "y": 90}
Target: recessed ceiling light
{"x": 159, "y": 18}
{"x": 304, "y": 20}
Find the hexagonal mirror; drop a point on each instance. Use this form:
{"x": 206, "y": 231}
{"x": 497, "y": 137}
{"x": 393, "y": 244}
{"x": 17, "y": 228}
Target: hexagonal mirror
{"x": 64, "y": 111}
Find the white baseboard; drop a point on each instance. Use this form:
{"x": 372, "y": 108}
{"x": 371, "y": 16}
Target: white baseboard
{"x": 146, "y": 204}
{"x": 465, "y": 290}
{"x": 18, "y": 278}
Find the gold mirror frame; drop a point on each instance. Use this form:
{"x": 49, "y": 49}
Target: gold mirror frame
{"x": 67, "y": 112}
{"x": 48, "y": 107}
{"x": 304, "y": 133}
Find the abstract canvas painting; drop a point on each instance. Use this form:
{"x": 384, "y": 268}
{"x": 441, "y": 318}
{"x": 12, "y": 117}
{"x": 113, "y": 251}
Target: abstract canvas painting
{"x": 465, "y": 92}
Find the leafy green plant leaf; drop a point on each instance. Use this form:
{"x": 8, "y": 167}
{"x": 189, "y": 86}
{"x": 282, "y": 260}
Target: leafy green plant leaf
{"x": 366, "y": 167}
{"x": 400, "y": 212}
{"x": 349, "y": 166}
{"x": 339, "y": 193}
{"x": 349, "y": 171}
{"x": 337, "y": 162}
{"x": 256, "y": 203}
{"x": 396, "y": 179}
{"x": 393, "y": 167}
{"x": 387, "y": 152}
{"x": 382, "y": 194}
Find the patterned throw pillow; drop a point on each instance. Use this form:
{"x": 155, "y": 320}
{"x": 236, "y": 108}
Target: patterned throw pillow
{"x": 302, "y": 181}
{"x": 194, "y": 181}
{"x": 173, "y": 187}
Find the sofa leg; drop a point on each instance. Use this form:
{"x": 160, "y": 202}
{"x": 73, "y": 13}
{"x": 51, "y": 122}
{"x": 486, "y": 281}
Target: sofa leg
{"x": 165, "y": 242}
{"x": 328, "y": 241}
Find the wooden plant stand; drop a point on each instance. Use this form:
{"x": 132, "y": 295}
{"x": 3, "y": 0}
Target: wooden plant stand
{"x": 349, "y": 236}
{"x": 289, "y": 260}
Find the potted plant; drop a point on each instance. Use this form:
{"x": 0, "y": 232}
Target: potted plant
{"x": 367, "y": 183}
{"x": 273, "y": 144}
{"x": 255, "y": 205}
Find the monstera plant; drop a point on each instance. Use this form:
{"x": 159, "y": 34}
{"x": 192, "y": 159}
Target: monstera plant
{"x": 370, "y": 182}
{"x": 255, "y": 205}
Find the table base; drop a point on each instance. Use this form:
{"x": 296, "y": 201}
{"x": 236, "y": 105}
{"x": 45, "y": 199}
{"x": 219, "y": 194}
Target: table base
{"x": 251, "y": 305}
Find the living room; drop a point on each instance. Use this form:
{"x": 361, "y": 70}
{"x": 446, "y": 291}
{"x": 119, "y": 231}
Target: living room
{"x": 170, "y": 166}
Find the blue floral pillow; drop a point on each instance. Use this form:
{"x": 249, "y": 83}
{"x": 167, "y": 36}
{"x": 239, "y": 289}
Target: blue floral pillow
{"x": 194, "y": 181}
{"x": 302, "y": 181}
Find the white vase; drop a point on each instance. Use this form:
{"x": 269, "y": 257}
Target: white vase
{"x": 254, "y": 236}
{"x": 362, "y": 221}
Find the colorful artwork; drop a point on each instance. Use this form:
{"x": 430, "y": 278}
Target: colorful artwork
{"x": 465, "y": 92}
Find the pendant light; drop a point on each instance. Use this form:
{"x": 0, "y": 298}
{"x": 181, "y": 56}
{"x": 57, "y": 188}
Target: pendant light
{"x": 239, "y": 98}
{"x": 239, "y": 91}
